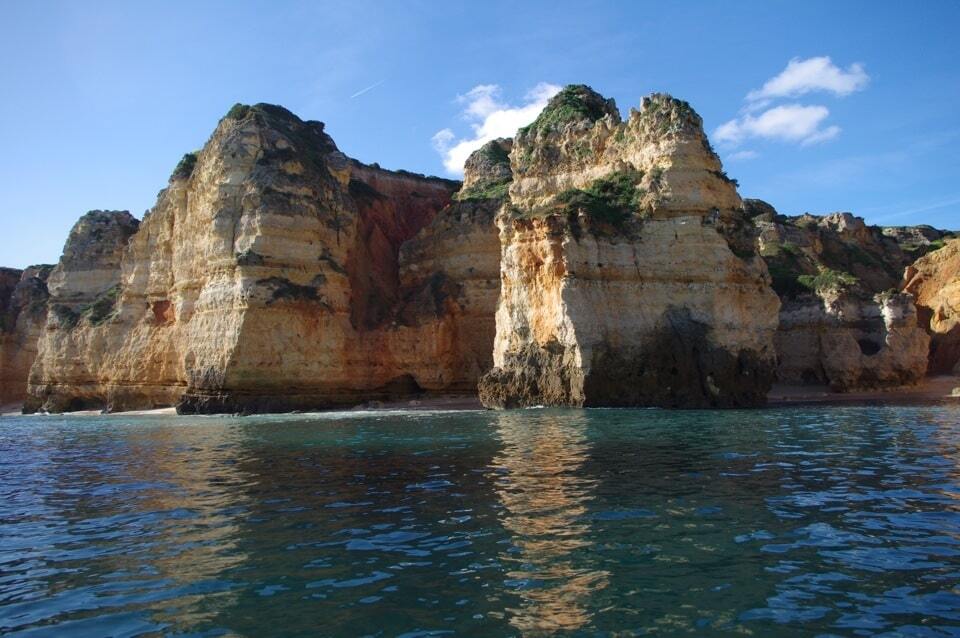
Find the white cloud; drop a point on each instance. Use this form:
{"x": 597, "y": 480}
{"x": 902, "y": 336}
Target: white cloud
{"x": 742, "y": 155}
{"x": 489, "y": 118}
{"x": 801, "y": 124}
{"x": 813, "y": 74}
{"x": 788, "y": 122}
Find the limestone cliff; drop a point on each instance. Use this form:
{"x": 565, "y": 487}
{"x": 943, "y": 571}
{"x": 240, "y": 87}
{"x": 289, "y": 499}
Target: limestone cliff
{"x": 83, "y": 291}
{"x": 842, "y": 321}
{"x": 23, "y": 314}
{"x": 934, "y": 280}
{"x": 588, "y": 261}
{"x": 274, "y": 273}
{"x": 626, "y": 277}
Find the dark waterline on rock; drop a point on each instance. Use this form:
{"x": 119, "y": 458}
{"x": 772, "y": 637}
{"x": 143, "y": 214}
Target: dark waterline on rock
{"x": 803, "y": 521}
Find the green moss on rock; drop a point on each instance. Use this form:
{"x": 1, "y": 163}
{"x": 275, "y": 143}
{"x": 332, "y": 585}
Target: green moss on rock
{"x": 827, "y": 280}
{"x": 185, "y": 166}
{"x": 574, "y": 103}
{"x": 610, "y": 200}
{"x": 238, "y": 111}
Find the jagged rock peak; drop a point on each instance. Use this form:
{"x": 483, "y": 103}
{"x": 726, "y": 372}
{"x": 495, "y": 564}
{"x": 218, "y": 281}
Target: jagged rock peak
{"x": 486, "y": 173}
{"x": 665, "y": 114}
{"x": 96, "y": 234}
{"x": 577, "y": 105}
{"x": 659, "y": 160}
{"x": 277, "y": 117}
{"x": 759, "y": 210}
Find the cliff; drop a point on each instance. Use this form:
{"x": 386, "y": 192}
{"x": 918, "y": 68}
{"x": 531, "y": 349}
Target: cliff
{"x": 23, "y": 314}
{"x": 83, "y": 290}
{"x": 588, "y": 261}
{"x": 842, "y": 322}
{"x": 934, "y": 280}
{"x": 626, "y": 277}
{"x": 274, "y": 273}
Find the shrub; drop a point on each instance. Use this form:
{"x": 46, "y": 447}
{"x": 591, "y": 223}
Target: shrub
{"x": 238, "y": 111}
{"x": 827, "y": 279}
{"x": 103, "y": 307}
{"x": 185, "y": 166}
{"x": 574, "y": 103}
{"x": 723, "y": 175}
{"x": 485, "y": 190}
{"x": 611, "y": 200}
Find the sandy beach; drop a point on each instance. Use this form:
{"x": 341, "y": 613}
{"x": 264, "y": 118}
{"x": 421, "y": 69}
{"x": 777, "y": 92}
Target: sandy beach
{"x": 931, "y": 389}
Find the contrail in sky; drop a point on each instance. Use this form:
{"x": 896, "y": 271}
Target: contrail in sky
{"x": 369, "y": 88}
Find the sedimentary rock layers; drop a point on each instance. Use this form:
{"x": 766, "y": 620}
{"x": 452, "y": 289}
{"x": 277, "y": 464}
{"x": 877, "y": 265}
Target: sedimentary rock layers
{"x": 841, "y": 321}
{"x": 275, "y": 273}
{"x": 84, "y": 290}
{"x": 850, "y": 343}
{"x": 23, "y": 314}
{"x": 589, "y": 261}
{"x": 934, "y": 280}
{"x": 625, "y": 277}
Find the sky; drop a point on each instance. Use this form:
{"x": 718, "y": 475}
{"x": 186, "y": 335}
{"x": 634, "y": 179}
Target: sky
{"x": 813, "y": 107}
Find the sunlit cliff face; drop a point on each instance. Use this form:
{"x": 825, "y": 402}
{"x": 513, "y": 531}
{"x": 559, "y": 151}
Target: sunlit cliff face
{"x": 545, "y": 498}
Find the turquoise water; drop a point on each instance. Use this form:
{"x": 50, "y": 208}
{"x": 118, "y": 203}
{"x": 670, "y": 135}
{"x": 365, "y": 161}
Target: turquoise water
{"x": 780, "y": 522}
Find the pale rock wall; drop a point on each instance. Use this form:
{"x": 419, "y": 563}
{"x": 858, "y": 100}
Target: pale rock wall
{"x": 850, "y": 332}
{"x": 444, "y": 325}
{"x": 850, "y": 343}
{"x": 934, "y": 280}
{"x": 657, "y": 311}
{"x": 275, "y": 273}
{"x": 84, "y": 288}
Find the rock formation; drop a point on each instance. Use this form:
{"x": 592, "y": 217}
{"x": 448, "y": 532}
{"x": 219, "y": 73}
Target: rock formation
{"x": 274, "y": 273}
{"x": 23, "y": 314}
{"x": 842, "y": 321}
{"x": 626, "y": 274}
{"x": 934, "y": 280}
{"x": 83, "y": 291}
{"x": 588, "y": 261}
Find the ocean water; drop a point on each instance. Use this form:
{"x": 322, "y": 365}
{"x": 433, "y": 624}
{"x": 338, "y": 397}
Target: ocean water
{"x": 833, "y": 521}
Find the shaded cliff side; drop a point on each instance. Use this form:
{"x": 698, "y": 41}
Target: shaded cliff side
{"x": 23, "y": 315}
{"x": 587, "y": 261}
{"x": 627, "y": 277}
{"x": 934, "y": 280}
{"x": 272, "y": 274}
{"x": 842, "y": 321}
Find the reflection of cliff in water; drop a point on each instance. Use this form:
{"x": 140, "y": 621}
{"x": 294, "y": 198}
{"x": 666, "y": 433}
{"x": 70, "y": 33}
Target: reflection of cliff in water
{"x": 545, "y": 501}
{"x": 204, "y": 493}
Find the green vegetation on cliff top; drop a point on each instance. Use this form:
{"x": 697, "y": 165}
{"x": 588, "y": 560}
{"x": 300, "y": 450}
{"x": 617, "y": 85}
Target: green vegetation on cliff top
{"x": 185, "y": 166}
{"x": 827, "y": 280}
{"x": 609, "y": 200}
{"x": 484, "y": 190}
{"x": 573, "y": 103}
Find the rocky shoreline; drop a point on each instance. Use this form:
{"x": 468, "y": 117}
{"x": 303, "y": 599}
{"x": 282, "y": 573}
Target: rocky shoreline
{"x": 588, "y": 261}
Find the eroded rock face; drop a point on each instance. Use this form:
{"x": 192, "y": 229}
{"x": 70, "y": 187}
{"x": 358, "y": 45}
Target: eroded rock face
{"x": 934, "y": 280}
{"x": 23, "y": 314}
{"x": 275, "y": 273}
{"x": 627, "y": 276}
{"x": 850, "y": 343}
{"x": 486, "y": 173}
{"x": 84, "y": 288}
{"x": 842, "y": 323}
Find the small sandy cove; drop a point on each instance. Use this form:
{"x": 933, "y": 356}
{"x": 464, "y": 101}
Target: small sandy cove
{"x": 933, "y": 389}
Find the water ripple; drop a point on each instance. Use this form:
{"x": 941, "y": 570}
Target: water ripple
{"x": 821, "y": 521}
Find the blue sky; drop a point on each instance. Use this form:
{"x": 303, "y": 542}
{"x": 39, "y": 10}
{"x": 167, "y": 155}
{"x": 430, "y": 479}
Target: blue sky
{"x": 100, "y": 99}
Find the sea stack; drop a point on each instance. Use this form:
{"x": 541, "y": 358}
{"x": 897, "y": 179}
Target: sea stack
{"x": 628, "y": 275}
{"x": 273, "y": 274}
